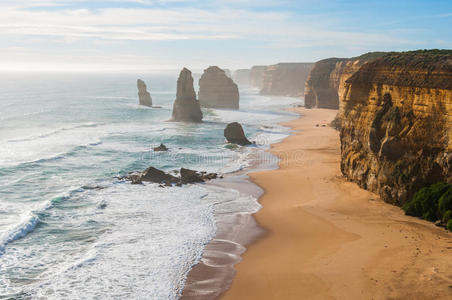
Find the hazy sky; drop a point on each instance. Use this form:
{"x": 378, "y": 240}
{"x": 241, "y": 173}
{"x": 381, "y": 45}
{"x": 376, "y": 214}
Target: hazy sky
{"x": 169, "y": 34}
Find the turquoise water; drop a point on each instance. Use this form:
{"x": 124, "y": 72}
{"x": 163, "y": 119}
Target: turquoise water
{"x": 68, "y": 228}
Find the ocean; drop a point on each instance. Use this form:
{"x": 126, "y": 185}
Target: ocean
{"x": 69, "y": 228}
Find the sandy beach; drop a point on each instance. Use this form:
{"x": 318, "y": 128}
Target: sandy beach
{"x": 328, "y": 239}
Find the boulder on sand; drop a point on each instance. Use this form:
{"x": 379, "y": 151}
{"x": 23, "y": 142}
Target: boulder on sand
{"x": 186, "y": 108}
{"x": 143, "y": 94}
{"x": 234, "y": 134}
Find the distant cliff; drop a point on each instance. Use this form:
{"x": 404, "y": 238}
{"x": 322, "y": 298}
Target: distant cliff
{"x": 257, "y": 76}
{"x": 326, "y": 82}
{"x": 285, "y": 79}
{"x": 242, "y": 77}
{"x": 397, "y": 123}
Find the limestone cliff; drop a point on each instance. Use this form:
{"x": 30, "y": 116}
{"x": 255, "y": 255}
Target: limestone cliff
{"x": 186, "y": 108}
{"x": 257, "y": 76}
{"x": 242, "y": 77}
{"x": 143, "y": 95}
{"x": 216, "y": 90}
{"x": 326, "y": 82}
{"x": 397, "y": 124}
{"x": 285, "y": 79}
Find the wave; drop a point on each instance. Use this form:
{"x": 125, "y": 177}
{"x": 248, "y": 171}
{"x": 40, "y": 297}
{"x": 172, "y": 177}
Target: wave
{"x": 31, "y": 219}
{"x": 59, "y": 130}
{"x": 27, "y": 225}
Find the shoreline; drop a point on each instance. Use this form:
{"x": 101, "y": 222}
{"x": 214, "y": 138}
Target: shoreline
{"x": 212, "y": 276}
{"x": 328, "y": 239}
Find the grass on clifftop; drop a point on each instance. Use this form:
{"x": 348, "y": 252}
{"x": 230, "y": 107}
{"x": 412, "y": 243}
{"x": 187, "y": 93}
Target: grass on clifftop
{"x": 432, "y": 203}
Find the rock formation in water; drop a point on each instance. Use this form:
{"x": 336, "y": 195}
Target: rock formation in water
{"x": 242, "y": 77}
{"x": 257, "y": 76}
{"x": 216, "y": 90}
{"x": 154, "y": 175}
{"x": 160, "y": 148}
{"x": 326, "y": 81}
{"x": 234, "y": 134}
{"x": 397, "y": 124}
{"x": 286, "y": 79}
{"x": 143, "y": 95}
{"x": 186, "y": 108}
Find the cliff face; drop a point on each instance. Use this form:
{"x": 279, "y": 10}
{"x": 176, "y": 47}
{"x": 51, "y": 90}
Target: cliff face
{"x": 285, "y": 79}
{"x": 397, "y": 124}
{"x": 242, "y": 77}
{"x": 257, "y": 76}
{"x": 186, "y": 108}
{"x": 217, "y": 90}
{"x": 326, "y": 82}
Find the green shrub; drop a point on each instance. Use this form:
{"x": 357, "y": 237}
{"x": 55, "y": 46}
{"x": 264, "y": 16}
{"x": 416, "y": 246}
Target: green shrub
{"x": 449, "y": 225}
{"x": 447, "y": 216}
{"x": 445, "y": 202}
{"x": 432, "y": 203}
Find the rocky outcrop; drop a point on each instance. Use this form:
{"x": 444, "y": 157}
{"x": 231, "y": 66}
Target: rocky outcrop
{"x": 155, "y": 175}
{"x": 242, "y": 77}
{"x": 191, "y": 176}
{"x": 143, "y": 95}
{"x": 257, "y": 76}
{"x": 186, "y": 108}
{"x": 234, "y": 134}
{"x": 397, "y": 124}
{"x": 160, "y": 148}
{"x": 326, "y": 81}
{"x": 286, "y": 79}
{"x": 216, "y": 90}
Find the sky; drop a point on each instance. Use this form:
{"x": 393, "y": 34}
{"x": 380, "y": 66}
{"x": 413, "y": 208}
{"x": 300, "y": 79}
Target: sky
{"x": 130, "y": 35}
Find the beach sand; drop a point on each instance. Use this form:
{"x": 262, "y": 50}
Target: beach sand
{"x": 328, "y": 239}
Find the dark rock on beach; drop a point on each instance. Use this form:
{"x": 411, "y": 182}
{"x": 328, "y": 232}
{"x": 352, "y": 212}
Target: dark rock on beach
{"x": 234, "y": 134}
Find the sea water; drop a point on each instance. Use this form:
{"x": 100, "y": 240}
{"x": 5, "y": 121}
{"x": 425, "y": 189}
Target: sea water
{"x": 69, "y": 228}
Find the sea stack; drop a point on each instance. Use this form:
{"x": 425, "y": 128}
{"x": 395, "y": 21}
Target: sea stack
{"x": 217, "y": 90}
{"x": 143, "y": 94}
{"x": 186, "y": 108}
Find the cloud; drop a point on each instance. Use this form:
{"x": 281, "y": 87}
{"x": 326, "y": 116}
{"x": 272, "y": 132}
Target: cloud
{"x": 244, "y": 31}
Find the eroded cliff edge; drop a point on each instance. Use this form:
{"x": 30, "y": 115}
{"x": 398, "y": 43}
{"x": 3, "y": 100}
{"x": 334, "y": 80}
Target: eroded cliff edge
{"x": 397, "y": 124}
{"x": 285, "y": 79}
{"x": 326, "y": 81}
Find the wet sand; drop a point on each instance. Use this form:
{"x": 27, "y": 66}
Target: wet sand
{"x": 328, "y": 239}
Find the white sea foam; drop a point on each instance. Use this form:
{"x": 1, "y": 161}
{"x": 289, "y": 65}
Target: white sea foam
{"x": 27, "y": 223}
{"x": 119, "y": 240}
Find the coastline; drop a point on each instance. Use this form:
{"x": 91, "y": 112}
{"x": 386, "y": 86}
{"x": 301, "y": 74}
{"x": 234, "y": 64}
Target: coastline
{"x": 328, "y": 239}
{"x": 213, "y": 274}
